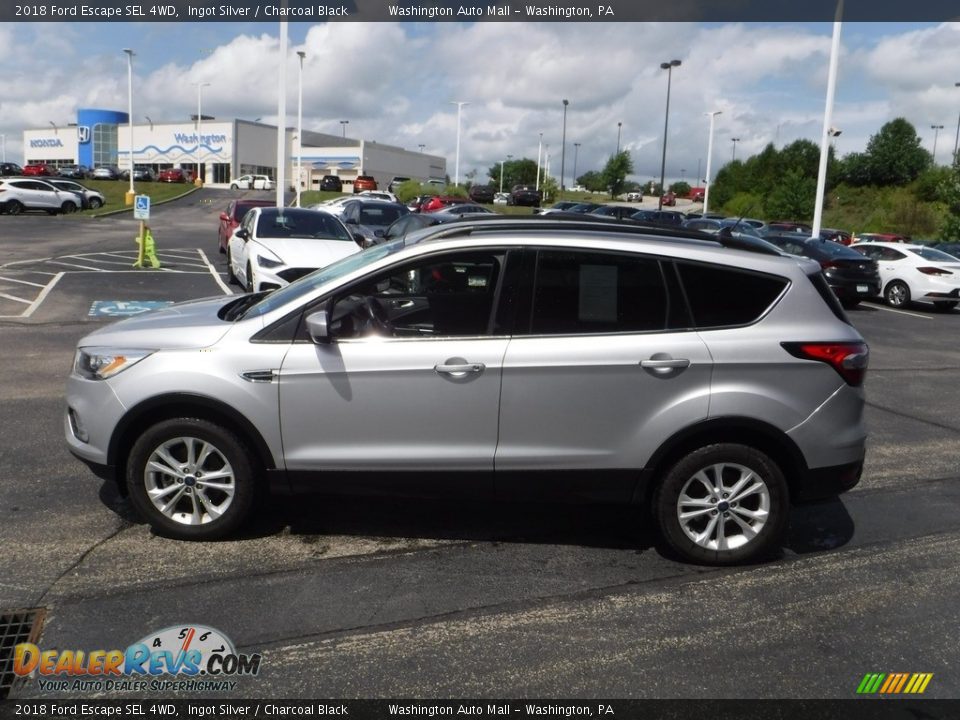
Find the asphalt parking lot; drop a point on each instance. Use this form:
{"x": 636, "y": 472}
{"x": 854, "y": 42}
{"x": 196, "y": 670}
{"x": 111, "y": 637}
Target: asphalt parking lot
{"x": 376, "y": 598}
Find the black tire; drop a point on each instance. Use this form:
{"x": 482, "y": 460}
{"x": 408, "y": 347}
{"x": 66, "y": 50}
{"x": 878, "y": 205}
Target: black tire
{"x": 897, "y": 294}
{"x": 944, "y": 306}
{"x": 14, "y": 207}
{"x": 234, "y": 186}
{"x": 96, "y": 203}
{"x": 231, "y": 278}
{"x": 249, "y": 278}
{"x": 770, "y": 505}
{"x": 228, "y": 454}
{"x": 68, "y": 208}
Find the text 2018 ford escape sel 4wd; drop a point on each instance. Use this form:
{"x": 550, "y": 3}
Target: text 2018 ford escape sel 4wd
{"x": 710, "y": 385}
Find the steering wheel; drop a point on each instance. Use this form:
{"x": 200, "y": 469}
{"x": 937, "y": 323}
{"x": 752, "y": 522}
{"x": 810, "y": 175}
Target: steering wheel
{"x": 378, "y": 316}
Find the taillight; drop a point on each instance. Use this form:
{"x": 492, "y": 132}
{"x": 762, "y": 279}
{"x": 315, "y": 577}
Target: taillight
{"x": 828, "y": 265}
{"x": 849, "y": 359}
{"x": 934, "y": 271}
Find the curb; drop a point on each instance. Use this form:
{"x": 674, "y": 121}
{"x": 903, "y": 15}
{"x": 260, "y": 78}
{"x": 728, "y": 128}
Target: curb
{"x": 152, "y": 204}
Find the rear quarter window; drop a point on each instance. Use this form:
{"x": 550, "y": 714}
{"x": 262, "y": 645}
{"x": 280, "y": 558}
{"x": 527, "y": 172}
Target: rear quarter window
{"x": 722, "y": 296}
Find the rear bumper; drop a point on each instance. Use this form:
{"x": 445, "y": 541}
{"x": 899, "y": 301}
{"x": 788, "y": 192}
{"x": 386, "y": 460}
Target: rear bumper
{"x": 827, "y": 482}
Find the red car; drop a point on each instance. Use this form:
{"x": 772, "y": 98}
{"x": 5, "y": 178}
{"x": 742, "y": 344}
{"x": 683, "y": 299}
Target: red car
{"x": 40, "y": 169}
{"x": 881, "y": 237}
{"x": 173, "y": 175}
{"x": 669, "y": 199}
{"x": 364, "y": 182}
{"x": 231, "y": 217}
{"x": 441, "y": 201}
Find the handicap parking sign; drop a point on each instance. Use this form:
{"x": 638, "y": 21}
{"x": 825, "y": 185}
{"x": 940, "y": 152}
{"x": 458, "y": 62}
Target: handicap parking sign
{"x": 124, "y": 308}
{"x": 141, "y": 207}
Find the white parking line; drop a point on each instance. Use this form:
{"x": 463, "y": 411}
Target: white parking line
{"x": 227, "y": 290}
{"x": 24, "y": 282}
{"x": 902, "y": 312}
{"x": 36, "y": 303}
{"x": 82, "y": 267}
{"x": 14, "y": 298}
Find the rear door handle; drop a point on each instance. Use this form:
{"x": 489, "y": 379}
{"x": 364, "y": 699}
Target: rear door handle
{"x": 665, "y": 364}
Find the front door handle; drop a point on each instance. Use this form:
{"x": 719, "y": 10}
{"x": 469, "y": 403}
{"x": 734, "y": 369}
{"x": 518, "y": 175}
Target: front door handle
{"x": 663, "y": 364}
{"x": 460, "y": 369}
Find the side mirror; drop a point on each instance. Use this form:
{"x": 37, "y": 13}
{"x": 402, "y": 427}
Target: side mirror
{"x": 243, "y": 234}
{"x": 318, "y": 327}
{"x": 224, "y": 217}
{"x": 380, "y": 232}
{"x": 359, "y": 239}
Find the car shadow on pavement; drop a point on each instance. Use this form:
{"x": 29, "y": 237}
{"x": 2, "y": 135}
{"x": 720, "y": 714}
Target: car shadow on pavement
{"x": 820, "y": 526}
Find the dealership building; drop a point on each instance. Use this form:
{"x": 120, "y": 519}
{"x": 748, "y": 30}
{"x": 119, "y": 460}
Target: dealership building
{"x": 223, "y": 149}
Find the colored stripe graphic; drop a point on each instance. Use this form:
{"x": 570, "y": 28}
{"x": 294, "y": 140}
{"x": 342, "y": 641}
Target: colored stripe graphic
{"x": 894, "y": 683}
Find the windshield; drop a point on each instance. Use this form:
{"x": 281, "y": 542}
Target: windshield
{"x": 933, "y": 255}
{"x": 307, "y": 284}
{"x": 296, "y": 223}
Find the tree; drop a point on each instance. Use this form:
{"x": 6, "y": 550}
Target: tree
{"x": 950, "y": 192}
{"x": 592, "y": 181}
{"x": 615, "y": 172}
{"x": 794, "y": 198}
{"x": 894, "y": 154}
{"x": 680, "y": 189}
{"x": 515, "y": 172}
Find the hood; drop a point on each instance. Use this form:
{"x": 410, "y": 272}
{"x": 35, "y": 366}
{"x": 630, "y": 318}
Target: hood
{"x": 304, "y": 252}
{"x": 184, "y": 325}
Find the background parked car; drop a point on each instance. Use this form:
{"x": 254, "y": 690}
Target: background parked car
{"x": 481, "y": 193}
{"x": 89, "y": 198}
{"x": 368, "y": 220}
{"x": 950, "y": 248}
{"x": 914, "y": 273}
{"x": 441, "y": 201}
{"x": 331, "y": 183}
{"x": 253, "y": 182}
{"x": 106, "y": 172}
{"x": 26, "y": 193}
{"x": 619, "y": 212}
{"x": 40, "y": 170}
{"x": 634, "y": 197}
{"x": 461, "y": 209}
{"x": 881, "y": 237}
{"x": 560, "y": 206}
{"x": 397, "y": 181}
{"x": 378, "y": 195}
{"x": 527, "y": 195}
{"x": 76, "y": 172}
{"x": 850, "y": 275}
{"x": 661, "y": 217}
{"x": 364, "y": 182}
{"x": 141, "y": 173}
{"x": 275, "y": 246}
{"x": 172, "y": 175}
{"x": 10, "y": 169}
{"x": 231, "y": 217}
{"x": 669, "y": 199}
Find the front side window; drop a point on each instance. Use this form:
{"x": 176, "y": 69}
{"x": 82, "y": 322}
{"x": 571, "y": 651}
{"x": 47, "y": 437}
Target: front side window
{"x": 586, "y": 292}
{"x": 450, "y": 295}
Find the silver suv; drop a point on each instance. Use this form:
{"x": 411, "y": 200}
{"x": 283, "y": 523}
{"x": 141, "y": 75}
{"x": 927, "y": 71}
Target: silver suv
{"x": 710, "y": 385}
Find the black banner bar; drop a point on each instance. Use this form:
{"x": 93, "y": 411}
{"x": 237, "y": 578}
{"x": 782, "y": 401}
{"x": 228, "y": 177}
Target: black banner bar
{"x": 854, "y": 709}
{"x": 314, "y": 11}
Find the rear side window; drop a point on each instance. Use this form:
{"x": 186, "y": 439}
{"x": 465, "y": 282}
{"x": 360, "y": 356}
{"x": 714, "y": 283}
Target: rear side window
{"x": 723, "y": 296}
{"x": 585, "y": 292}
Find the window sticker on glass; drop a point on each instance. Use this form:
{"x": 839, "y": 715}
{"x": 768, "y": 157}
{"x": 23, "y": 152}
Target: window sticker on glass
{"x": 598, "y": 293}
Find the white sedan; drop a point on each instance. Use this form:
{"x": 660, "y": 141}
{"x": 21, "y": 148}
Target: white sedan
{"x": 272, "y": 247}
{"x": 253, "y": 182}
{"x": 915, "y": 273}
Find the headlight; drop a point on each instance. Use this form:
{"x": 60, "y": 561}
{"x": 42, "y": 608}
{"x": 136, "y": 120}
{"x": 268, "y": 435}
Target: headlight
{"x": 101, "y": 363}
{"x": 268, "y": 261}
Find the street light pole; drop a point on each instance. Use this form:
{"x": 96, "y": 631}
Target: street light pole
{"x": 459, "y": 104}
{"x": 3, "y": 144}
{"x": 343, "y": 128}
{"x": 279, "y": 200}
{"x": 576, "y": 151}
{"x": 200, "y": 86}
{"x": 131, "y": 193}
{"x": 956, "y": 141}
{"x": 421, "y": 146}
{"x": 668, "y": 66}
{"x": 539, "y": 159}
{"x": 301, "y": 54}
{"x": 734, "y": 141}
{"x": 936, "y": 130}
{"x": 619, "y": 126}
{"x": 563, "y": 148}
{"x": 706, "y": 192}
{"x": 827, "y": 121}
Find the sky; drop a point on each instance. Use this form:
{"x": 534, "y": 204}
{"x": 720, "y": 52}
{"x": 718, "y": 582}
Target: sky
{"x": 394, "y": 83}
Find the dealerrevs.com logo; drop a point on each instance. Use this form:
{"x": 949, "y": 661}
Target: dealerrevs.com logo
{"x": 177, "y": 658}
{"x": 894, "y": 683}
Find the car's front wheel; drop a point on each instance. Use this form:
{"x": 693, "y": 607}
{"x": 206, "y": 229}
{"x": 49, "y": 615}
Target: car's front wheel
{"x": 234, "y": 186}
{"x": 231, "y": 277}
{"x": 68, "y": 207}
{"x": 897, "y": 294}
{"x": 191, "y": 479}
{"x": 723, "y": 504}
{"x": 96, "y": 203}
{"x": 14, "y": 207}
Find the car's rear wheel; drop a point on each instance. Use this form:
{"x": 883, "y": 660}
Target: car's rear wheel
{"x": 234, "y": 186}
{"x": 723, "y": 504}
{"x": 14, "y": 207}
{"x": 944, "y": 306}
{"x": 231, "y": 278}
{"x": 249, "y": 278}
{"x": 897, "y": 294}
{"x": 191, "y": 479}
{"x": 68, "y": 207}
{"x": 96, "y": 203}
